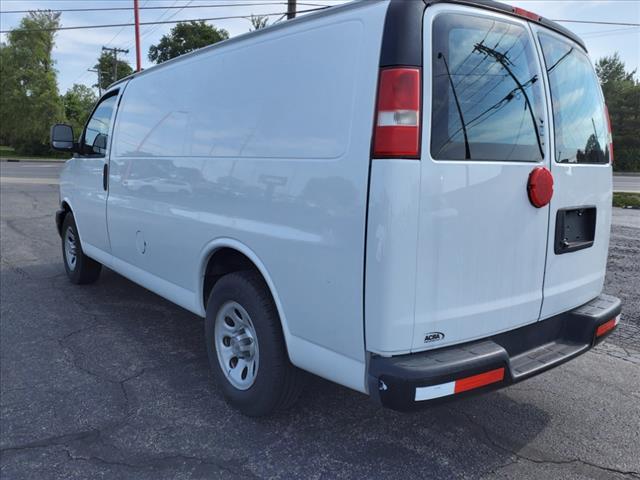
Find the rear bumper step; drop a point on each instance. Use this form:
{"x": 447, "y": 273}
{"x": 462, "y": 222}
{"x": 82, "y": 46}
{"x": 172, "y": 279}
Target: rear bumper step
{"x": 408, "y": 381}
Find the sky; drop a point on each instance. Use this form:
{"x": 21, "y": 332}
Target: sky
{"x": 77, "y": 50}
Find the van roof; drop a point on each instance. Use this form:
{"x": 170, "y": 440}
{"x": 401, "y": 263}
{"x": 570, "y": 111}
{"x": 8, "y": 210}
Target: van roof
{"x": 408, "y": 6}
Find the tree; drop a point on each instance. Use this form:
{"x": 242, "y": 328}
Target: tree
{"x": 78, "y": 102}
{"x": 612, "y": 69}
{"x": 622, "y": 95}
{"x": 110, "y": 71}
{"x": 30, "y": 100}
{"x": 184, "y": 38}
{"x": 259, "y": 22}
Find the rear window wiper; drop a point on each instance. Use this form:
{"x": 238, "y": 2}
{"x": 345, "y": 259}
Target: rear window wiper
{"x": 467, "y": 150}
{"x": 503, "y": 60}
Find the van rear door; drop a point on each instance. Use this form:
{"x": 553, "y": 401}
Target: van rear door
{"x": 482, "y": 244}
{"x": 580, "y": 216}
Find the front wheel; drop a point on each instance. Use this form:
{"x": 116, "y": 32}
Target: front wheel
{"x": 246, "y": 348}
{"x": 80, "y": 268}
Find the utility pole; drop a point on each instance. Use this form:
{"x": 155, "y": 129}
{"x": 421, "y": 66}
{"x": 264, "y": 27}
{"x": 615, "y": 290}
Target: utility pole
{"x": 115, "y": 52}
{"x": 95, "y": 70}
{"x": 136, "y": 15}
{"x": 291, "y": 9}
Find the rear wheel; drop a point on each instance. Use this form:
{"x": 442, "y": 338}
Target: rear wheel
{"x": 80, "y": 268}
{"x": 246, "y": 347}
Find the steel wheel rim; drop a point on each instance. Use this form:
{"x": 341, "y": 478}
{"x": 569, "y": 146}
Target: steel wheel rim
{"x": 70, "y": 249}
{"x": 236, "y": 345}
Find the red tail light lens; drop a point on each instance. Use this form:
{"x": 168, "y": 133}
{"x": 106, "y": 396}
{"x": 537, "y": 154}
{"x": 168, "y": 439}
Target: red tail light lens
{"x": 397, "y": 129}
{"x": 610, "y": 134}
{"x": 521, "y": 12}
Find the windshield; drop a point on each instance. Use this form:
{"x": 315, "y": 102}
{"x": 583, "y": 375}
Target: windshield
{"x": 581, "y": 132}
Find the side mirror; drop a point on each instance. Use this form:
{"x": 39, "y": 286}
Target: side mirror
{"x": 62, "y": 137}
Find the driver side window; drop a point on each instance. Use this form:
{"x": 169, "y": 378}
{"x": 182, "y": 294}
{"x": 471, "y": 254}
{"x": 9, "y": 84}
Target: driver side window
{"x": 95, "y": 138}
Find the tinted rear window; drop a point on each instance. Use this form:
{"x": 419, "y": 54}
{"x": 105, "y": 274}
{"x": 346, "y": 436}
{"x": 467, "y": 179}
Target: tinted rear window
{"x": 487, "y": 92}
{"x": 581, "y": 132}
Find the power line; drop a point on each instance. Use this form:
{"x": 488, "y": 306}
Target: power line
{"x": 306, "y": 4}
{"x": 121, "y": 30}
{"x": 607, "y": 33}
{"x": 599, "y": 23}
{"x": 114, "y": 25}
{"x": 173, "y": 15}
{"x": 113, "y": 9}
{"x": 115, "y": 36}
{"x": 280, "y": 19}
{"x": 157, "y": 24}
{"x": 155, "y": 27}
{"x": 79, "y": 77}
{"x": 127, "y": 44}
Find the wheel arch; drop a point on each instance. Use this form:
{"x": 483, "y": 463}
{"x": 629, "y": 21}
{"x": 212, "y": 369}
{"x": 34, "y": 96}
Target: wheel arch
{"x": 65, "y": 208}
{"x": 226, "y": 255}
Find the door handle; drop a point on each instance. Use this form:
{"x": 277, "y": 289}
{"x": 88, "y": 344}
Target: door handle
{"x": 105, "y": 177}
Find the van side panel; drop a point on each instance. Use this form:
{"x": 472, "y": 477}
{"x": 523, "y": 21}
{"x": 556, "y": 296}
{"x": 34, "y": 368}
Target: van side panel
{"x": 266, "y": 141}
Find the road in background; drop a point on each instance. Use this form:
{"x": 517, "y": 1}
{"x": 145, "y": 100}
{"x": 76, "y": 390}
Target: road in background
{"x": 626, "y": 183}
{"x": 621, "y": 183}
{"x": 111, "y": 381}
{"x": 30, "y": 172}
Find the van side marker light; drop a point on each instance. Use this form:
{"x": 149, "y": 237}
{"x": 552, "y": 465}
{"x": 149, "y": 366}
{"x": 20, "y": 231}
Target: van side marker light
{"x": 460, "y": 385}
{"x": 607, "y": 326}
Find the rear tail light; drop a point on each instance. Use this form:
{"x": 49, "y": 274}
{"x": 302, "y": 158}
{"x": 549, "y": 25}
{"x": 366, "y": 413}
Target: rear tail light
{"x": 521, "y": 12}
{"x": 397, "y": 121}
{"x": 610, "y": 134}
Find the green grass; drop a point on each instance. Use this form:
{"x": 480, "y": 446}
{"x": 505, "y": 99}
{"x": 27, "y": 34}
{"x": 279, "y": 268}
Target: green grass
{"x": 9, "y": 153}
{"x": 621, "y": 199}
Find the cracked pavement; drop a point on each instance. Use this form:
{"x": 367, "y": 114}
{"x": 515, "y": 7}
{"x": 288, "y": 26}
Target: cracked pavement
{"x": 110, "y": 380}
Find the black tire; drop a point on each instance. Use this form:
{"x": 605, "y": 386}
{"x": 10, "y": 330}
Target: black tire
{"x": 277, "y": 384}
{"x": 84, "y": 270}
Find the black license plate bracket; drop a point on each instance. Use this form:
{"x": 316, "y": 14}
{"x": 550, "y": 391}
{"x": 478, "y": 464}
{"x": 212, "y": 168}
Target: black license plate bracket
{"x": 575, "y": 229}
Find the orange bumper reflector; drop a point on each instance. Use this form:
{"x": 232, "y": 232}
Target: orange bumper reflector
{"x": 606, "y": 327}
{"x": 480, "y": 380}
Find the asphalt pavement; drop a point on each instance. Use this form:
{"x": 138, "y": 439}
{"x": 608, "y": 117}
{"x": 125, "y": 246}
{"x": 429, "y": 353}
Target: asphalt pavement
{"x": 626, "y": 183}
{"x": 111, "y": 381}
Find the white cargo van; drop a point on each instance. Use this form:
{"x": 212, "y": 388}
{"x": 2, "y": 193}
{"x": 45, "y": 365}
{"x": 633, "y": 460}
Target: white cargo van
{"x": 411, "y": 198}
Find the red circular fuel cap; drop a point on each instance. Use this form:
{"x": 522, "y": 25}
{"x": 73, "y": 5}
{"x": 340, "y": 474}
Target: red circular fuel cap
{"x": 540, "y": 187}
